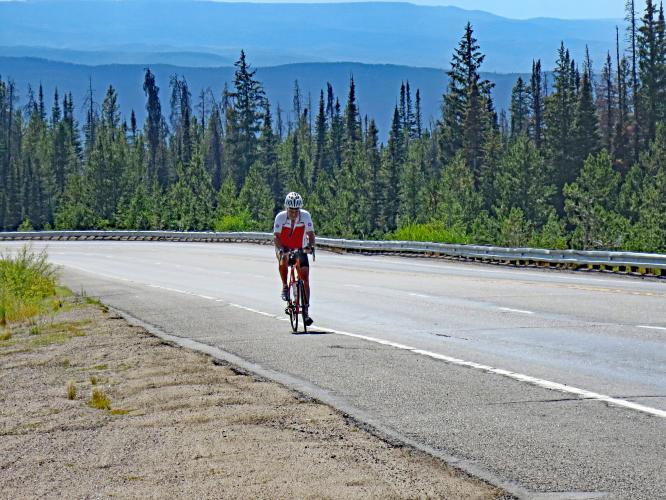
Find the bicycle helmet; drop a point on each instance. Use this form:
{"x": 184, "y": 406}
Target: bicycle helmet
{"x": 293, "y": 200}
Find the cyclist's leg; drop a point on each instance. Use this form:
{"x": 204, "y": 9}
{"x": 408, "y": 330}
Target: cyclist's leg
{"x": 282, "y": 268}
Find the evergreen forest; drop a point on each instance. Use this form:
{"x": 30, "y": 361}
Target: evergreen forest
{"x": 578, "y": 161}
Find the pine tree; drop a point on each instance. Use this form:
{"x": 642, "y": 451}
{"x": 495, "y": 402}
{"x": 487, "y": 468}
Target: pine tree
{"x": 417, "y": 116}
{"x": 213, "y": 150}
{"x": 320, "y": 159}
{"x": 90, "y": 127}
{"x": 154, "y": 131}
{"x": 460, "y": 203}
{"x": 474, "y": 130}
{"x": 560, "y": 135}
{"x": 591, "y": 203}
{"x": 536, "y": 99}
{"x": 352, "y": 124}
{"x": 248, "y": 98}
{"x": 189, "y": 199}
{"x": 393, "y": 160}
{"x": 630, "y": 17}
{"x": 55, "y": 110}
{"x": 519, "y": 109}
{"x": 606, "y": 99}
{"x": 256, "y": 197}
{"x": 463, "y": 75}
{"x": 642, "y": 197}
{"x": 412, "y": 181}
{"x": 337, "y": 137}
{"x": 586, "y": 128}
{"x": 652, "y": 72}
{"x": 375, "y": 185}
{"x": 522, "y": 182}
{"x": 268, "y": 156}
{"x": 621, "y": 148}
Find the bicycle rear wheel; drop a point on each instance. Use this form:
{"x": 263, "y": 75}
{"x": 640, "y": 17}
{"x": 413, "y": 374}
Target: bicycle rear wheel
{"x": 303, "y": 302}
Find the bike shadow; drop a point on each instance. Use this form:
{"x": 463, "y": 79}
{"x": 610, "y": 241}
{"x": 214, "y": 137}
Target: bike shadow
{"x": 312, "y": 332}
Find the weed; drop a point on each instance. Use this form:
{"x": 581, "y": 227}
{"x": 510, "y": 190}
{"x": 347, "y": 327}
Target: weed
{"x": 6, "y": 335}
{"x": 51, "y": 338}
{"x": 25, "y": 280}
{"x": 93, "y": 300}
{"x": 71, "y": 390}
{"x": 99, "y": 400}
{"x": 100, "y": 367}
{"x": 93, "y": 380}
{"x": 35, "y": 330}
{"x": 66, "y": 363}
{"x": 119, "y": 411}
{"x": 62, "y": 291}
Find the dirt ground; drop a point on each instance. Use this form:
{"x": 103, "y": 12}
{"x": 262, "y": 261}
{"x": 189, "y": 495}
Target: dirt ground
{"x": 177, "y": 424}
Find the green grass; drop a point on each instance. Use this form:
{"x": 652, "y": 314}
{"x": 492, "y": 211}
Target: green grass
{"x": 26, "y": 279}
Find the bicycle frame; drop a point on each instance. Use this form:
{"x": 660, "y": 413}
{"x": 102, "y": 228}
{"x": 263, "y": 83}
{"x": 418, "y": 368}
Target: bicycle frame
{"x": 296, "y": 291}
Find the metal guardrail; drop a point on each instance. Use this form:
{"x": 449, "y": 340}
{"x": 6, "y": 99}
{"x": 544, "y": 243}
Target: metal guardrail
{"x": 622, "y": 262}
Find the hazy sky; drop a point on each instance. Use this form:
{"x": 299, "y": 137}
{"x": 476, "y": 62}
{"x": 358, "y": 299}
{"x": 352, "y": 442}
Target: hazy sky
{"x": 522, "y": 9}
{"x": 516, "y": 9}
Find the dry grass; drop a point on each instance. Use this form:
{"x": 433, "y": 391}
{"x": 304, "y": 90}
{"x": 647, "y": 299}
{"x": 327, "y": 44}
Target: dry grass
{"x": 99, "y": 400}
{"x": 71, "y": 390}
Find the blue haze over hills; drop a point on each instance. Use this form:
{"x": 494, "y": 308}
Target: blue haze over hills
{"x": 372, "y": 33}
{"x": 377, "y": 86}
{"x": 113, "y": 41}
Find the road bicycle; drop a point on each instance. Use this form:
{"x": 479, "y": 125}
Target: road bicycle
{"x": 296, "y": 297}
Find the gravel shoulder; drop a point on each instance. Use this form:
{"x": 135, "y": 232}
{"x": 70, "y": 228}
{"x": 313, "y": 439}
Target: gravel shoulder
{"x": 178, "y": 424}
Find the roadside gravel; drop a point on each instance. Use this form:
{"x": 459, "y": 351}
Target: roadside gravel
{"x": 180, "y": 425}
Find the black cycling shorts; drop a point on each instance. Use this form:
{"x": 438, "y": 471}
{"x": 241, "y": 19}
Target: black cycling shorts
{"x": 302, "y": 256}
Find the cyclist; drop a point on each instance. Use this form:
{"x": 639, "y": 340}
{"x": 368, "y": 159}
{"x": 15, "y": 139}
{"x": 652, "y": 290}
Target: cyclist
{"x": 293, "y": 230}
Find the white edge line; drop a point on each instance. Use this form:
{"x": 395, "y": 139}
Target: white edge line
{"x": 546, "y": 384}
{"x": 519, "y": 311}
{"x": 652, "y": 327}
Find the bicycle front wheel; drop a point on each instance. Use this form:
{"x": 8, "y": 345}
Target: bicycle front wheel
{"x": 303, "y": 303}
{"x": 293, "y": 307}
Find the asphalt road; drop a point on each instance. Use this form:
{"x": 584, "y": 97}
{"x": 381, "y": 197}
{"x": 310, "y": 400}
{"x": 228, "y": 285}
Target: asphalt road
{"x": 550, "y": 384}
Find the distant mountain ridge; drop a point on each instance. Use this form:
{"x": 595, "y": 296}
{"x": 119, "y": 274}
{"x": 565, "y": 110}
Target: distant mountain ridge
{"x": 372, "y": 33}
{"x": 377, "y": 86}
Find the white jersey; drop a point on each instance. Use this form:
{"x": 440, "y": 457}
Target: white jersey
{"x": 292, "y": 234}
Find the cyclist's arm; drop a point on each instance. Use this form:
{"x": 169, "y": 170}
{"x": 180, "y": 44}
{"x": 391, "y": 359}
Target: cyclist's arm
{"x": 311, "y": 239}
{"x": 278, "y": 244}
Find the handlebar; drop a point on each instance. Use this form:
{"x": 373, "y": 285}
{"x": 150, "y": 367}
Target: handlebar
{"x": 298, "y": 251}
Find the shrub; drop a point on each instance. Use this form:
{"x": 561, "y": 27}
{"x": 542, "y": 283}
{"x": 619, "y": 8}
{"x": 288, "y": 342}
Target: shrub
{"x": 99, "y": 400}
{"x": 25, "y": 280}
{"x": 431, "y": 232}
{"x": 71, "y": 390}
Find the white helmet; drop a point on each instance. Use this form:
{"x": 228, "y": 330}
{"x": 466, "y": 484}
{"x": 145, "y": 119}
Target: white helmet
{"x": 293, "y": 200}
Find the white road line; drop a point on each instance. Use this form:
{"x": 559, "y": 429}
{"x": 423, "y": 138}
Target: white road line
{"x": 546, "y": 384}
{"x": 519, "y": 311}
{"x": 238, "y": 306}
{"x": 652, "y": 327}
{"x": 421, "y": 295}
{"x": 207, "y": 297}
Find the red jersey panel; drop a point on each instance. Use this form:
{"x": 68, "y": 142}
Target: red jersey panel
{"x": 292, "y": 233}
